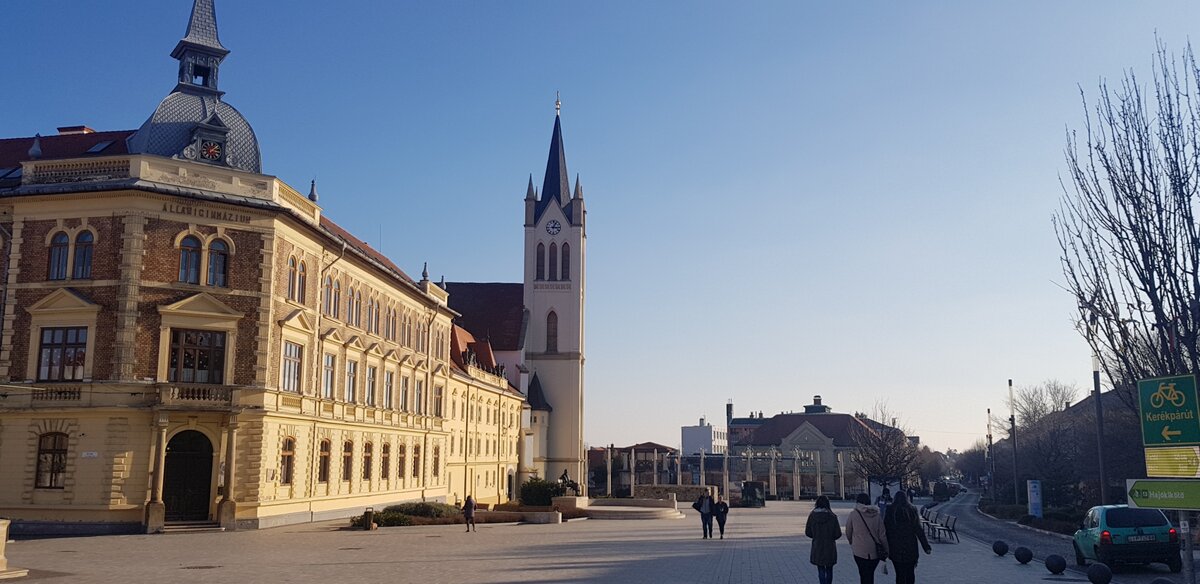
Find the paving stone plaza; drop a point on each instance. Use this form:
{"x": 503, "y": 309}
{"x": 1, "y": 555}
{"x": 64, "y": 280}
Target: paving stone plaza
{"x": 761, "y": 545}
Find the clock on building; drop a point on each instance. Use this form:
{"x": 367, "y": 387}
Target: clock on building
{"x": 553, "y": 227}
{"x": 210, "y": 150}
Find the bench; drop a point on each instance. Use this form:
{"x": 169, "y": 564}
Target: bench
{"x": 947, "y": 527}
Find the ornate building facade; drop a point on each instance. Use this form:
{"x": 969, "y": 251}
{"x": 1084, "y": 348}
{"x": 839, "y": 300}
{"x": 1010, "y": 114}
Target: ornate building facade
{"x": 185, "y": 339}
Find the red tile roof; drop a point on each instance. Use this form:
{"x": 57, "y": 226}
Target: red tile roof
{"x": 362, "y": 247}
{"x": 493, "y": 311}
{"x": 838, "y": 427}
{"x": 14, "y": 151}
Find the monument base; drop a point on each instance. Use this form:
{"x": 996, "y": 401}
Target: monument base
{"x": 5, "y": 571}
{"x": 156, "y": 517}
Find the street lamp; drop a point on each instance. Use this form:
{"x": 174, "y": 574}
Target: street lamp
{"x": 1092, "y": 324}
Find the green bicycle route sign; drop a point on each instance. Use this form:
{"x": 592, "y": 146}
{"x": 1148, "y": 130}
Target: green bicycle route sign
{"x": 1169, "y": 411}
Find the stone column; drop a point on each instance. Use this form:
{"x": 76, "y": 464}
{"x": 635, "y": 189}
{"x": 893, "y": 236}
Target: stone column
{"x": 227, "y": 508}
{"x": 841, "y": 475}
{"x": 679, "y": 469}
{"x": 5, "y": 571}
{"x": 632, "y": 471}
{"x": 725, "y": 472}
{"x": 774, "y": 492}
{"x": 608, "y": 462}
{"x": 656, "y": 467}
{"x": 795, "y": 475}
{"x": 820, "y": 478}
{"x": 702, "y": 478}
{"x": 156, "y": 512}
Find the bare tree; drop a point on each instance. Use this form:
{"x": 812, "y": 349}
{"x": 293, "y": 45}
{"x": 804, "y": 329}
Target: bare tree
{"x": 883, "y": 451}
{"x": 1127, "y": 228}
{"x": 1032, "y": 403}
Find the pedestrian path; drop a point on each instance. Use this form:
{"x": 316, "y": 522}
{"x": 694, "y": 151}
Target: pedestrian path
{"x": 761, "y": 546}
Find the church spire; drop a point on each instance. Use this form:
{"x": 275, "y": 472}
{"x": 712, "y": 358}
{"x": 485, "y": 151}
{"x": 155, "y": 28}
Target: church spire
{"x": 200, "y": 51}
{"x": 202, "y": 27}
{"x": 530, "y": 194}
{"x": 557, "y": 184}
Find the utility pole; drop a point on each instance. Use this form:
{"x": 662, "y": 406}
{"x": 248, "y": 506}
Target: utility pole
{"x": 991, "y": 458}
{"x": 1092, "y": 324}
{"x": 1012, "y": 419}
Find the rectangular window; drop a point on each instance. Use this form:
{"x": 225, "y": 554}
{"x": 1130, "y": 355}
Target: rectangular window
{"x": 196, "y": 357}
{"x": 292, "y": 361}
{"x": 62, "y": 354}
{"x": 327, "y": 376}
{"x": 389, "y": 378}
{"x": 51, "y": 461}
{"x": 437, "y": 401}
{"x": 420, "y": 402}
{"x": 369, "y": 388}
{"x": 404, "y": 394}
{"x": 351, "y": 381}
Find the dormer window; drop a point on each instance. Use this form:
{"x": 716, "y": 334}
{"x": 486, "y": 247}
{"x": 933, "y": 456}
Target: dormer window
{"x": 200, "y": 75}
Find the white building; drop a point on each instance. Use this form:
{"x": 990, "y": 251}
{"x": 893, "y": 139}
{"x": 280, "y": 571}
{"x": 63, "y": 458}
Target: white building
{"x": 704, "y": 438}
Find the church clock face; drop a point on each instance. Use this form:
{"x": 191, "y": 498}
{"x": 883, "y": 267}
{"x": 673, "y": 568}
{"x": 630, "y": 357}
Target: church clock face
{"x": 210, "y": 150}
{"x": 553, "y": 227}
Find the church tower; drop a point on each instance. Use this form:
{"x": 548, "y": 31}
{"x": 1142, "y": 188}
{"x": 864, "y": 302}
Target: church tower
{"x": 555, "y": 263}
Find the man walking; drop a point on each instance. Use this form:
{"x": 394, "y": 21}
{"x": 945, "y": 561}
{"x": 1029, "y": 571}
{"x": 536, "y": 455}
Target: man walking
{"x": 705, "y": 506}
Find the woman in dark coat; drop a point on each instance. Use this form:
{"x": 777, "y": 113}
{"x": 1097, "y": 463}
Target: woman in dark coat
{"x": 904, "y": 532}
{"x": 824, "y": 530}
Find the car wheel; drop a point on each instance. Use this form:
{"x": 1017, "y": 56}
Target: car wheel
{"x": 1175, "y": 564}
{"x": 1079, "y": 559}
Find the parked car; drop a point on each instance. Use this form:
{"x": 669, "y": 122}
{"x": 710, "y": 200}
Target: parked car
{"x": 1115, "y": 534}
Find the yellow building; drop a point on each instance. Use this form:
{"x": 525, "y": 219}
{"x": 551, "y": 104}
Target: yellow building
{"x": 186, "y": 339}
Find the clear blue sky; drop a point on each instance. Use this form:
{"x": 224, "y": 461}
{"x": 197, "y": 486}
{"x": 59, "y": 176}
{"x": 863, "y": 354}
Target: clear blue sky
{"x": 850, "y": 199}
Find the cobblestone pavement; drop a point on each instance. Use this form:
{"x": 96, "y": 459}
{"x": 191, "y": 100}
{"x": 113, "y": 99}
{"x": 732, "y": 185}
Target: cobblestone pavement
{"x": 761, "y": 545}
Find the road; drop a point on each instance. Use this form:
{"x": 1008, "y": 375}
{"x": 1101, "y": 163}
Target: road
{"x": 975, "y": 525}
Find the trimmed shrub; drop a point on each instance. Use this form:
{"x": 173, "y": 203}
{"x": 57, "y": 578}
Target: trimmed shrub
{"x": 384, "y": 518}
{"x": 430, "y": 510}
{"x": 540, "y": 492}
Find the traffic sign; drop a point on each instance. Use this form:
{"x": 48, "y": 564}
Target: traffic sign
{"x": 1169, "y": 411}
{"x": 1162, "y": 494}
{"x": 1173, "y": 461}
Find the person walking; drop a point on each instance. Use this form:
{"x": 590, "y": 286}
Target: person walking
{"x": 867, "y": 537}
{"x": 468, "y": 511}
{"x": 903, "y": 526}
{"x": 823, "y": 528}
{"x": 705, "y": 506}
{"x": 720, "y": 512}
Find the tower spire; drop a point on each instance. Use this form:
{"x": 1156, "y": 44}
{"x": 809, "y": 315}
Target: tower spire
{"x": 530, "y": 194}
{"x": 202, "y": 27}
{"x": 557, "y": 184}
{"x": 557, "y": 104}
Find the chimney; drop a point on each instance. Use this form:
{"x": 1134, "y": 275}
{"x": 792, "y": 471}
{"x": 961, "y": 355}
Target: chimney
{"x": 72, "y": 130}
{"x": 729, "y": 414}
{"x": 701, "y": 421}
{"x": 816, "y": 400}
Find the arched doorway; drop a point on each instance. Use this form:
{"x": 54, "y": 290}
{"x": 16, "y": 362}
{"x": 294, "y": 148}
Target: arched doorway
{"x": 187, "y": 480}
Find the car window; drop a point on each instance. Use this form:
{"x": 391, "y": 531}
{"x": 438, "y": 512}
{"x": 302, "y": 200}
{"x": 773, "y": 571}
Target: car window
{"x": 1124, "y": 517}
{"x": 1091, "y": 518}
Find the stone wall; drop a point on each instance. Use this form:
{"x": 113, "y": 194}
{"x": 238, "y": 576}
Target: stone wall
{"x": 683, "y": 493}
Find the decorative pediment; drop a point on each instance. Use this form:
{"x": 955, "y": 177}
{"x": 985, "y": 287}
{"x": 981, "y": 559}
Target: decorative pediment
{"x": 201, "y": 304}
{"x": 807, "y": 435}
{"x": 297, "y": 319}
{"x": 391, "y": 355}
{"x": 63, "y": 301}
{"x": 332, "y": 336}
{"x": 440, "y": 369}
{"x": 375, "y": 350}
{"x": 355, "y": 342}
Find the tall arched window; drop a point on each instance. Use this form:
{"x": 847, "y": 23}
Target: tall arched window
{"x": 287, "y": 461}
{"x": 385, "y": 461}
{"x": 336, "y": 299}
{"x": 189, "y": 260}
{"x": 291, "y": 292}
{"x": 327, "y": 296}
{"x": 84, "y": 243}
{"x": 218, "y": 263}
{"x": 566, "y": 261}
{"x": 375, "y": 325}
{"x": 302, "y": 283}
{"x": 358, "y": 308}
{"x": 553, "y": 262}
{"x": 401, "y": 460}
{"x": 552, "y": 332}
{"x": 323, "y": 462}
{"x": 58, "y": 256}
{"x": 541, "y": 262}
{"x": 51, "y": 461}
{"x": 350, "y": 306}
{"x": 347, "y": 460}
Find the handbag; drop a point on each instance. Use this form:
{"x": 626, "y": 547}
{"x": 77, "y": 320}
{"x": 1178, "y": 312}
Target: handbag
{"x": 879, "y": 549}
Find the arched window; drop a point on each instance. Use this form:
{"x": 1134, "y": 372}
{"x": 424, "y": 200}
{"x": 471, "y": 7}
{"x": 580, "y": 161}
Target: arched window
{"x": 541, "y": 262}
{"x": 358, "y": 308}
{"x": 336, "y": 299}
{"x": 371, "y": 317}
{"x": 84, "y": 243}
{"x": 302, "y": 283}
{"x": 375, "y": 325}
{"x": 347, "y": 460}
{"x": 323, "y": 463}
{"x": 437, "y": 460}
{"x": 218, "y": 263}
{"x": 58, "y": 256}
{"x": 566, "y": 261}
{"x": 350, "y": 306}
{"x": 553, "y": 262}
{"x": 416, "y": 469}
{"x": 552, "y": 332}
{"x": 385, "y": 461}
{"x": 368, "y": 454}
{"x": 189, "y": 260}
{"x": 51, "y": 460}
{"x": 291, "y": 292}
{"x": 401, "y": 460}
{"x": 287, "y": 461}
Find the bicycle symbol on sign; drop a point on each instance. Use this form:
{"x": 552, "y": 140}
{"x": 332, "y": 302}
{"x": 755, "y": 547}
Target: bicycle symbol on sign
{"x": 1167, "y": 393}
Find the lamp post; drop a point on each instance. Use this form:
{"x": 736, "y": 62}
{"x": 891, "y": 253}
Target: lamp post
{"x": 1012, "y": 419}
{"x": 1092, "y": 324}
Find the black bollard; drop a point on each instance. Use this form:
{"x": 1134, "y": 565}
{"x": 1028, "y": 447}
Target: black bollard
{"x": 1023, "y": 554}
{"x": 1057, "y": 564}
{"x": 1099, "y": 574}
{"x": 1000, "y": 548}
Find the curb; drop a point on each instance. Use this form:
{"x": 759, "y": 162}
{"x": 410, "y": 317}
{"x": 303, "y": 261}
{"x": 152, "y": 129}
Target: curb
{"x": 1033, "y": 529}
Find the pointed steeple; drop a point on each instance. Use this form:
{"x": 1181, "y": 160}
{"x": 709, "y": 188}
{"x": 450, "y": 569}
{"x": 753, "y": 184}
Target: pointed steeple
{"x": 578, "y": 189}
{"x": 557, "y": 184}
{"x": 200, "y": 52}
{"x": 35, "y": 151}
{"x": 312, "y": 191}
{"x": 530, "y": 194}
{"x": 202, "y": 28}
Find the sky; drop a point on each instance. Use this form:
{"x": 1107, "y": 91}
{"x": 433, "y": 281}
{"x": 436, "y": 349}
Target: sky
{"x": 785, "y": 199}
